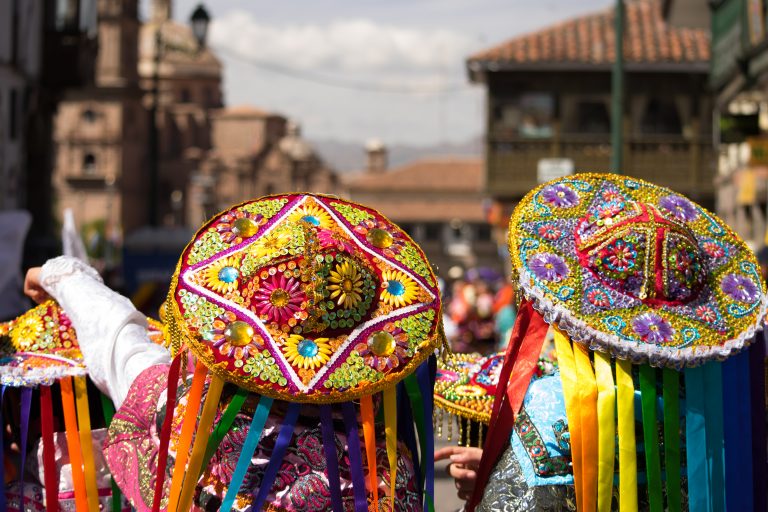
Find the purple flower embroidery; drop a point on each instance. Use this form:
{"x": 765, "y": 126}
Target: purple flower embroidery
{"x": 548, "y": 266}
{"x": 739, "y": 288}
{"x": 560, "y": 195}
{"x": 652, "y": 328}
{"x": 680, "y": 207}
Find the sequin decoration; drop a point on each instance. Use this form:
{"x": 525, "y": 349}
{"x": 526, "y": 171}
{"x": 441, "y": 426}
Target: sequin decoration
{"x": 636, "y": 270}
{"x": 319, "y": 300}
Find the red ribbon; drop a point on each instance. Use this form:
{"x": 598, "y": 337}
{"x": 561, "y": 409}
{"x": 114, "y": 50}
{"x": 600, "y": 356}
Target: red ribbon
{"x": 165, "y": 433}
{"x": 49, "y": 455}
{"x": 520, "y": 361}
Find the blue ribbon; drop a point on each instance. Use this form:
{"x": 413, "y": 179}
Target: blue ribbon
{"x": 329, "y": 445}
{"x": 276, "y": 457}
{"x": 425, "y": 375}
{"x": 355, "y": 457}
{"x": 696, "y": 440}
{"x": 713, "y": 411}
{"x": 249, "y": 446}
{"x": 406, "y": 429}
{"x": 3, "y": 504}
{"x": 759, "y": 436}
{"x": 738, "y": 433}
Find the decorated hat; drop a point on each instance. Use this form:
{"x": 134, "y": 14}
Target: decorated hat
{"x": 634, "y": 277}
{"x": 305, "y": 299}
{"x": 40, "y": 349}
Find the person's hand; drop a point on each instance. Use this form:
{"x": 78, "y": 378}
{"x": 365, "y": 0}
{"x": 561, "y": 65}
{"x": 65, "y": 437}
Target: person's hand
{"x": 32, "y": 287}
{"x": 463, "y": 467}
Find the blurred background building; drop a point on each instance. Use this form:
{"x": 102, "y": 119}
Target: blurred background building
{"x": 549, "y": 96}
{"x": 739, "y": 78}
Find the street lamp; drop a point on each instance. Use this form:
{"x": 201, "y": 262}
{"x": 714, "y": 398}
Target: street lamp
{"x": 198, "y": 21}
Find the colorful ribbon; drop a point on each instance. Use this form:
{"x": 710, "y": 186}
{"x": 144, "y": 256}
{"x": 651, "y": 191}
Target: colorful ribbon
{"x": 390, "y": 431}
{"x": 201, "y": 442}
{"x": 49, "y": 449}
{"x": 738, "y": 433}
{"x": 406, "y": 429}
{"x": 696, "y": 440}
{"x": 567, "y": 363}
{"x": 671, "y": 397}
{"x": 651, "y": 437}
{"x": 165, "y": 431}
{"x": 425, "y": 375}
{"x": 606, "y": 434}
{"x": 73, "y": 444}
{"x": 369, "y": 436}
{"x": 625, "y": 407}
{"x": 187, "y": 430}
{"x": 414, "y": 397}
{"x": 3, "y": 503}
{"x": 355, "y": 461}
{"x": 713, "y": 411}
{"x": 258, "y": 421}
{"x": 587, "y": 394}
{"x": 332, "y": 457}
{"x": 225, "y": 423}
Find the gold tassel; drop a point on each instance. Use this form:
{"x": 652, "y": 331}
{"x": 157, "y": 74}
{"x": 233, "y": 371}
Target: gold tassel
{"x": 480, "y": 432}
{"x": 450, "y": 427}
{"x": 440, "y": 424}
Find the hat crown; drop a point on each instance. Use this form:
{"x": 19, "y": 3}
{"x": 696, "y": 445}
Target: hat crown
{"x": 639, "y": 250}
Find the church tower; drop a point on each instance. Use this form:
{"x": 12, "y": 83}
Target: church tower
{"x": 118, "y": 44}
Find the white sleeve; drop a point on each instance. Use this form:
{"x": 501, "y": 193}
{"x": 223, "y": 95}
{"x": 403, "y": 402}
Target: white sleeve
{"x": 111, "y": 332}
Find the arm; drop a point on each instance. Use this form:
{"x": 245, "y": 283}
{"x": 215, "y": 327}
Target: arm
{"x": 111, "y": 332}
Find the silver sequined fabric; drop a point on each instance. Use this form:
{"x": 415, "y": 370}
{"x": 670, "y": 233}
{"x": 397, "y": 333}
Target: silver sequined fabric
{"x": 507, "y": 491}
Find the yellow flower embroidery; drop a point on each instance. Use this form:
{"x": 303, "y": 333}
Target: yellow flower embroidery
{"x": 313, "y": 214}
{"x": 222, "y": 276}
{"x": 346, "y": 285}
{"x": 397, "y": 288}
{"x": 305, "y": 353}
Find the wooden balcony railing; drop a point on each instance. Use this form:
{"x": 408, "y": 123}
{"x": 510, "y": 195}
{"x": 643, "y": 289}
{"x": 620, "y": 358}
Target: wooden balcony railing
{"x": 685, "y": 165}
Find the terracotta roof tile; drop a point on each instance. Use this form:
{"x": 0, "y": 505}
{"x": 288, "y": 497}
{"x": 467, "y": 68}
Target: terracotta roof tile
{"x": 430, "y": 174}
{"x": 590, "y": 40}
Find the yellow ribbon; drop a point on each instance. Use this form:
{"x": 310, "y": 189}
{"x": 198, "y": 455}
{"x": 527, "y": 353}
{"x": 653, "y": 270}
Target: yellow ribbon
{"x": 626, "y": 429}
{"x": 86, "y": 445}
{"x": 390, "y": 429}
{"x": 201, "y": 442}
{"x": 369, "y": 435}
{"x": 569, "y": 379}
{"x": 606, "y": 434}
{"x": 587, "y": 389}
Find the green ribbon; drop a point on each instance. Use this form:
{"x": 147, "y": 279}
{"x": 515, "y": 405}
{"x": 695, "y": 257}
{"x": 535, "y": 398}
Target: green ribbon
{"x": 225, "y": 423}
{"x": 651, "y": 437}
{"x": 671, "y": 395}
{"x": 108, "y": 408}
{"x": 414, "y": 395}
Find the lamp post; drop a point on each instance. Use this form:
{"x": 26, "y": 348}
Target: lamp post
{"x": 617, "y": 92}
{"x": 198, "y": 21}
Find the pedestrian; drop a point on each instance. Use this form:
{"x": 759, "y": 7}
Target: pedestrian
{"x": 290, "y": 307}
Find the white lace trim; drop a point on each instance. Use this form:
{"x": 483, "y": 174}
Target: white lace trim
{"x": 581, "y": 332}
{"x": 57, "y": 269}
{"x": 15, "y": 376}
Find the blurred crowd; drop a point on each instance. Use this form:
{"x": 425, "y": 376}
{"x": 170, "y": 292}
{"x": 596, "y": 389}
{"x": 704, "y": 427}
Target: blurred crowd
{"x": 480, "y": 312}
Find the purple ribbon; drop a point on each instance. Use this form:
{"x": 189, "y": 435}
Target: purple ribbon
{"x": 276, "y": 458}
{"x": 26, "y": 402}
{"x": 425, "y": 375}
{"x": 3, "y": 505}
{"x": 329, "y": 445}
{"x": 738, "y": 433}
{"x": 355, "y": 457}
{"x": 757, "y": 385}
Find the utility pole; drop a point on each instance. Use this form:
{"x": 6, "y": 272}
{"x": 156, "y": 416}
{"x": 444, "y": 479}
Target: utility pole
{"x": 617, "y": 92}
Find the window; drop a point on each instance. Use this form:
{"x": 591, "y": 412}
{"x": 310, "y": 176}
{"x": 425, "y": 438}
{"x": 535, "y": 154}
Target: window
{"x": 13, "y": 120}
{"x": 531, "y": 115}
{"x": 592, "y": 117}
{"x": 432, "y": 232}
{"x": 184, "y": 95}
{"x": 661, "y": 117}
{"x": 483, "y": 232}
{"x": 89, "y": 164}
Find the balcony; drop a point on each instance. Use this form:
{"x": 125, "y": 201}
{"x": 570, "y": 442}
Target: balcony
{"x": 677, "y": 162}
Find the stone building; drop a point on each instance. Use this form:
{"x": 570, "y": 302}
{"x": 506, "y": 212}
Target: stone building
{"x": 254, "y": 153}
{"x": 438, "y": 201}
{"x": 100, "y": 132}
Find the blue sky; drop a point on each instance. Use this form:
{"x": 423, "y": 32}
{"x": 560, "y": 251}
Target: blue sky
{"x": 400, "y": 63}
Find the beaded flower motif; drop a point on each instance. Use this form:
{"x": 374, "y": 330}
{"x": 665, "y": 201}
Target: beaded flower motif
{"x": 233, "y": 337}
{"x": 222, "y": 275}
{"x": 306, "y": 353}
{"x": 311, "y": 213}
{"x": 381, "y": 236}
{"x": 279, "y": 298}
{"x": 385, "y": 349}
{"x": 397, "y": 289}
{"x": 237, "y": 225}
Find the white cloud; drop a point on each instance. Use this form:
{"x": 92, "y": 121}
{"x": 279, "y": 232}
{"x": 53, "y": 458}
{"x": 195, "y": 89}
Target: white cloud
{"x": 351, "y": 45}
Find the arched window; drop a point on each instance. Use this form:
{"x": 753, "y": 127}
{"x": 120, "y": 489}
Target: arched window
{"x": 89, "y": 164}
